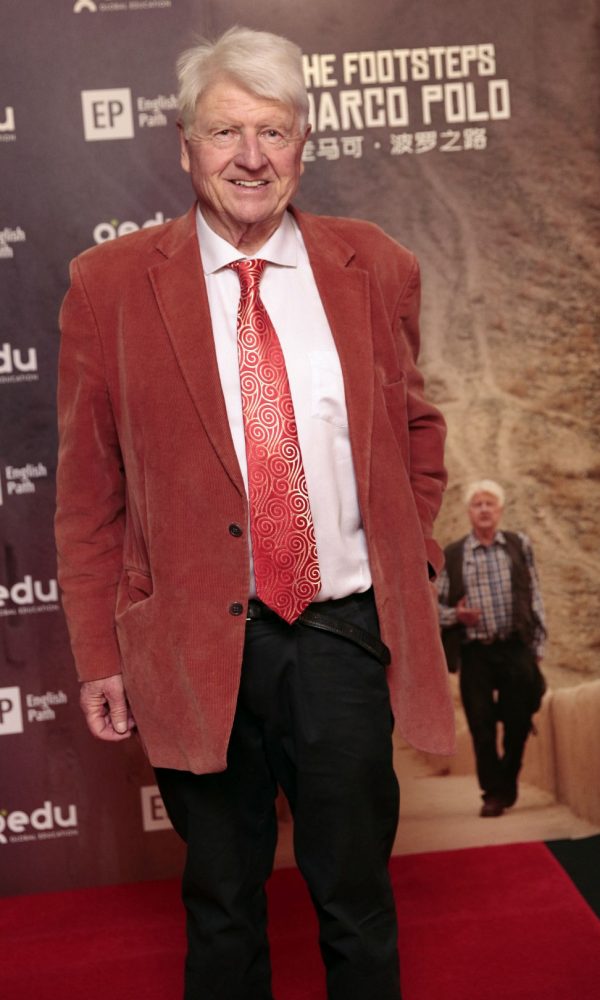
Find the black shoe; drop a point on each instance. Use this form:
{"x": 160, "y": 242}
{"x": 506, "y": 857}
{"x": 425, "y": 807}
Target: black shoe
{"x": 492, "y": 807}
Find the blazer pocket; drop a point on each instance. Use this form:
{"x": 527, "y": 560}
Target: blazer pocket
{"x": 139, "y": 585}
{"x": 395, "y": 392}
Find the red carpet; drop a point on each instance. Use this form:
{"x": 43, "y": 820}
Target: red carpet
{"x": 493, "y": 923}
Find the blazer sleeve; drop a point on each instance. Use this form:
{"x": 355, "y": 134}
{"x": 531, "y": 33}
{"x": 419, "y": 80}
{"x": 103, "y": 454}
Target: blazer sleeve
{"x": 426, "y": 426}
{"x": 90, "y": 514}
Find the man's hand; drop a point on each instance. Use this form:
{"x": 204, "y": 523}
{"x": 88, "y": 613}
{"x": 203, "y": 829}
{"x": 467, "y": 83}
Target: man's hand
{"x": 105, "y": 708}
{"x": 465, "y": 615}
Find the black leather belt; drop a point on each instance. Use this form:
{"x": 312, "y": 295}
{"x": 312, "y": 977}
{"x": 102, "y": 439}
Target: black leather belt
{"x": 493, "y": 640}
{"x": 314, "y": 617}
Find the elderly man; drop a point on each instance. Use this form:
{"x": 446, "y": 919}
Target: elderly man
{"x": 248, "y": 478}
{"x": 492, "y": 621}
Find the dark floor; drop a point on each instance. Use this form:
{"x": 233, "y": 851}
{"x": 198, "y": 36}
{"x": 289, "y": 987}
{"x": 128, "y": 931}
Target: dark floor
{"x": 581, "y": 861}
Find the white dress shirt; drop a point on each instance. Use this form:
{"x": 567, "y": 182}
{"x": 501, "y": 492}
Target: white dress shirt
{"x": 290, "y": 296}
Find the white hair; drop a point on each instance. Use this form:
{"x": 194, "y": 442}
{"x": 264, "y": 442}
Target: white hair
{"x": 267, "y": 65}
{"x": 485, "y": 486}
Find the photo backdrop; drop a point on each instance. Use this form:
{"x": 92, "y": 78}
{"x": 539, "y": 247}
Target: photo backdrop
{"x": 467, "y": 130}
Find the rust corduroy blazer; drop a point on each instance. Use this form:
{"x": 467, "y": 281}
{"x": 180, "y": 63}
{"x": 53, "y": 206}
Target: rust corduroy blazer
{"x": 148, "y": 481}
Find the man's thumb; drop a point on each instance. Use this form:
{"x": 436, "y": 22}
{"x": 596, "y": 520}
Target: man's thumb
{"x": 118, "y": 716}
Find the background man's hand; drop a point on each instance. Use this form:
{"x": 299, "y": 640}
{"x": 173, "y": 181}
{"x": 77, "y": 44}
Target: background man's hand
{"x": 465, "y": 615}
{"x": 106, "y": 709}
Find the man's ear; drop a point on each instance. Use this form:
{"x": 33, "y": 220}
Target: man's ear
{"x": 307, "y": 132}
{"x": 184, "y": 156}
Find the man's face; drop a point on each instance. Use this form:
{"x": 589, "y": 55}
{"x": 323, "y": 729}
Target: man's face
{"x": 244, "y": 155}
{"x": 485, "y": 511}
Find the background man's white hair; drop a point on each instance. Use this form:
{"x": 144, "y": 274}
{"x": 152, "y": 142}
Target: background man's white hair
{"x": 485, "y": 486}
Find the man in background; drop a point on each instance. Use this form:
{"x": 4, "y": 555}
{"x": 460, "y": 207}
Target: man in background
{"x": 249, "y": 473}
{"x": 492, "y": 621}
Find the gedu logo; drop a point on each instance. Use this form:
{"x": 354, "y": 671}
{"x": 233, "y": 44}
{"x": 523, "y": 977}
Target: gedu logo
{"x": 45, "y": 823}
{"x": 28, "y": 596}
{"x": 18, "y": 365}
{"x": 13, "y": 359}
{"x": 111, "y": 230}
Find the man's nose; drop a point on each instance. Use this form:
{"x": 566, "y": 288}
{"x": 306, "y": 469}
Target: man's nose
{"x": 249, "y": 153}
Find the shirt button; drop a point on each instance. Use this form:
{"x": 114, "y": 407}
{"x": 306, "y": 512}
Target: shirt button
{"x": 236, "y": 608}
{"x": 235, "y": 530}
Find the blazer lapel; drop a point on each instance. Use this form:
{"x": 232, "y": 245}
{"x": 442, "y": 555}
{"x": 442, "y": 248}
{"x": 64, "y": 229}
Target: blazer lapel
{"x": 344, "y": 292}
{"x": 180, "y": 291}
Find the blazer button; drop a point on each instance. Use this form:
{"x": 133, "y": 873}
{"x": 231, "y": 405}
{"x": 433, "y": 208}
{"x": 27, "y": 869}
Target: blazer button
{"x": 235, "y": 530}
{"x": 236, "y": 608}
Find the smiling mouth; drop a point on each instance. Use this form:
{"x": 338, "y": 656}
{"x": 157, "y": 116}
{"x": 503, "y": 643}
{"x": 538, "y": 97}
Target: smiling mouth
{"x": 250, "y": 184}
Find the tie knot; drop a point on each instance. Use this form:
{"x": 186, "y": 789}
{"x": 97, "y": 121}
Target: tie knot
{"x": 249, "y": 271}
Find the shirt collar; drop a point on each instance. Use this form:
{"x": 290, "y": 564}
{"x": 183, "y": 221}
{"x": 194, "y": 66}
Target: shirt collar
{"x": 281, "y": 248}
{"x": 499, "y": 539}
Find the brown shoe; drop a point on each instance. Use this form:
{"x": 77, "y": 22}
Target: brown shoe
{"x": 492, "y": 807}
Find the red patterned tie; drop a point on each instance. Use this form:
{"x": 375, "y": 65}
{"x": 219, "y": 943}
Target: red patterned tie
{"x": 284, "y": 549}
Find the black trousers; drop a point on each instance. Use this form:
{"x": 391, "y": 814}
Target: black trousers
{"x": 495, "y": 686}
{"x": 314, "y": 718}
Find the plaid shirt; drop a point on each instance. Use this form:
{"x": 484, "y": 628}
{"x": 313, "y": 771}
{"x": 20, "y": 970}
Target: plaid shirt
{"x": 487, "y": 581}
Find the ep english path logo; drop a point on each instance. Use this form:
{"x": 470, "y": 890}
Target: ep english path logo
{"x": 11, "y": 712}
{"x": 154, "y": 814}
{"x": 107, "y": 114}
{"x": 7, "y": 125}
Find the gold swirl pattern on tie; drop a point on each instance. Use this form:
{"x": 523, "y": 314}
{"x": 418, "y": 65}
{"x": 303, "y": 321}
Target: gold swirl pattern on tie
{"x": 284, "y": 547}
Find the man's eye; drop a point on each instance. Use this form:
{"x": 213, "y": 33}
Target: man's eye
{"x": 273, "y": 135}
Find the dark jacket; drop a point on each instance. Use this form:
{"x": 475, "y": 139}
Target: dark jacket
{"x": 453, "y": 636}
